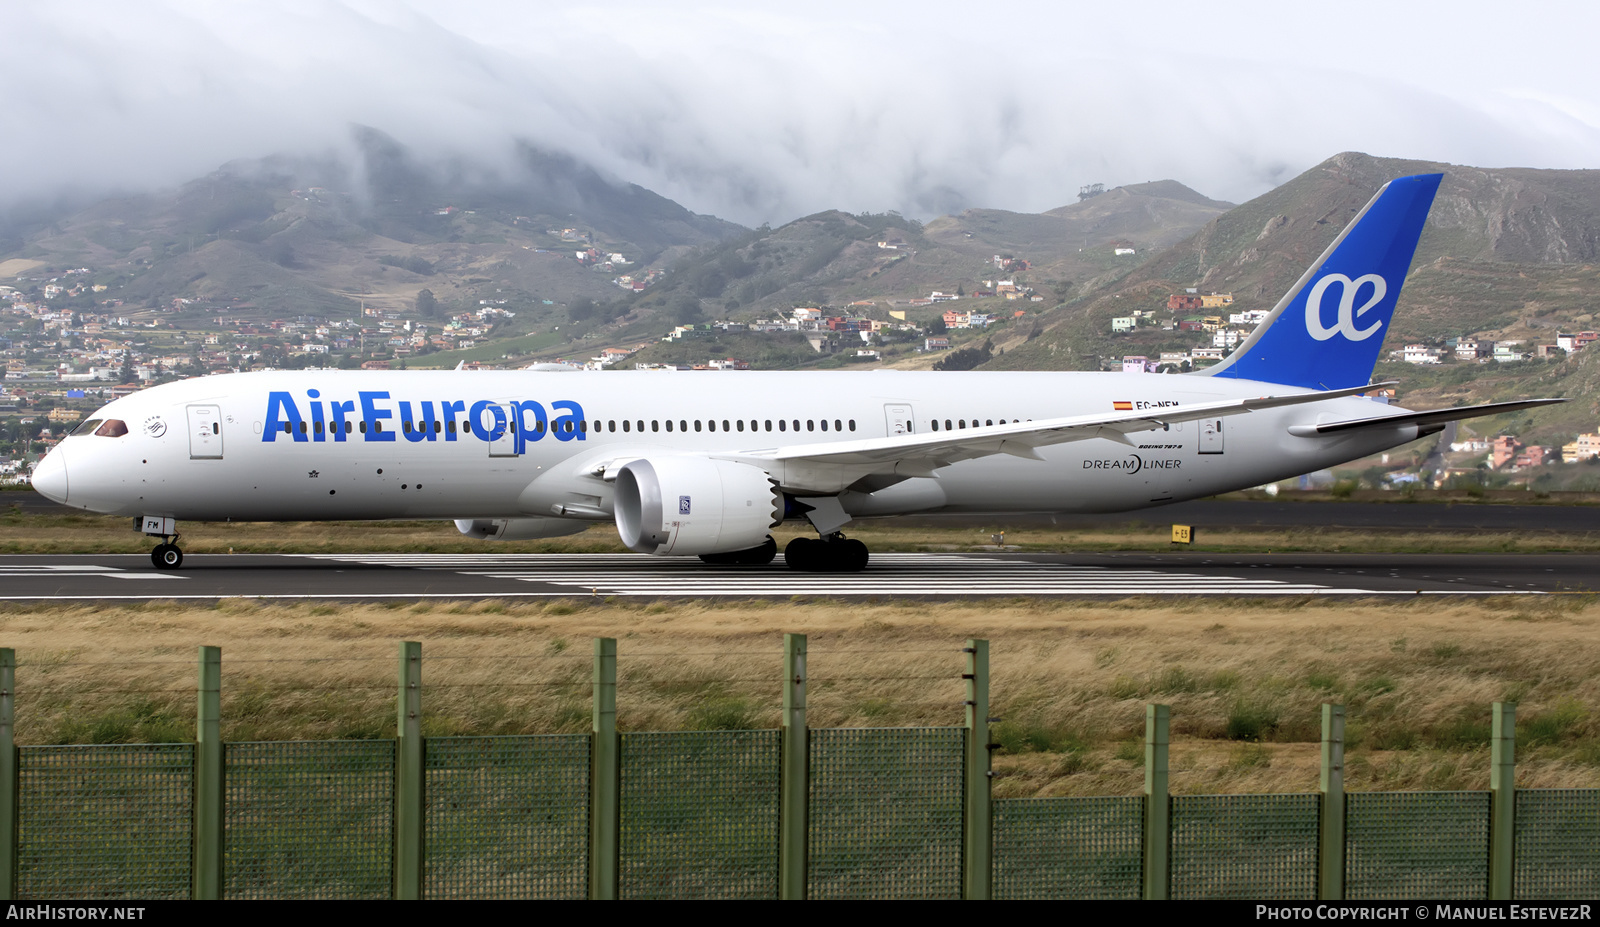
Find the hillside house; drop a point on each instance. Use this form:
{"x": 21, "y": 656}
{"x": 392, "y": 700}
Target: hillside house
{"x": 1574, "y": 343}
{"x": 1584, "y": 448}
{"x": 1138, "y": 363}
{"x": 1503, "y": 450}
{"x": 1420, "y": 354}
{"x": 1473, "y": 349}
{"x": 936, "y": 344}
{"x": 1533, "y": 456}
{"x": 1216, "y": 300}
{"x": 1506, "y": 353}
{"x": 1179, "y": 302}
{"x": 1227, "y": 338}
{"x": 1124, "y": 324}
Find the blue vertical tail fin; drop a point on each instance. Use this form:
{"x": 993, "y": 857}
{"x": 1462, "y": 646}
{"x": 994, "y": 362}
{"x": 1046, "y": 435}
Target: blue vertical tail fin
{"x": 1326, "y": 331}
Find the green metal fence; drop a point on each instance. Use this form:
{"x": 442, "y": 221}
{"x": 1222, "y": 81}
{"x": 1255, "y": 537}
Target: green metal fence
{"x": 104, "y": 822}
{"x": 507, "y": 817}
{"x": 795, "y": 812}
{"x": 309, "y": 819}
{"x": 1558, "y": 833}
{"x": 1244, "y": 846}
{"x": 1417, "y": 845}
{"x": 700, "y": 815}
{"x": 1068, "y": 847}
{"x": 886, "y": 813}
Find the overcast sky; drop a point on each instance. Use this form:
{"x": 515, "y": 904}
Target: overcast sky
{"x": 758, "y": 112}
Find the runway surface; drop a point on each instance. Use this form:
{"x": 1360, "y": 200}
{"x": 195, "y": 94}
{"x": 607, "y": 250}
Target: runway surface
{"x": 999, "y": 574}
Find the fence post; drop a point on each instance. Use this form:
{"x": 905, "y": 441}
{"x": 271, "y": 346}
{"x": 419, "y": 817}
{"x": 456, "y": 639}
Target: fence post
{"x": 208, "y": 798}
{"x": 8, "y": 774}
{"x": 1502, "y": 809}
{"x": 978, "y": 858}
{"x": 794, "y": 805}
{"x": 1330, "y": 863}
{"x": 1157, "y": 810}
{"x": 408, "y": 797}
{"x": 604, "y": 775}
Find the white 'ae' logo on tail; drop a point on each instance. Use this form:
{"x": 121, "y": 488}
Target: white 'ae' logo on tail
{"x": 1348, "y": 311}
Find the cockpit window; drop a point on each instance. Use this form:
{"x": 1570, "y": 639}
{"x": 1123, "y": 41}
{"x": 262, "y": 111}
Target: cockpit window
{"x": 113, "y": 428}
{"x": 87, "y": 427}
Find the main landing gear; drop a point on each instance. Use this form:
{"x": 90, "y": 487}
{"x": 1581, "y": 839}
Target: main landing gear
{"x": 833, "y": 553}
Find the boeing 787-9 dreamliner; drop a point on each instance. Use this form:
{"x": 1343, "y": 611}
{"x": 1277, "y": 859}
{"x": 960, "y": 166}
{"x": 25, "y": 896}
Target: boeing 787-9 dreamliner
{"x": 709, "y": 465}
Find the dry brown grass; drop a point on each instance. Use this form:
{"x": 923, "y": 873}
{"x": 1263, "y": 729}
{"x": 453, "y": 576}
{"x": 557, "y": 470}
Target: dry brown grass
{"x": 1245, "y": 679}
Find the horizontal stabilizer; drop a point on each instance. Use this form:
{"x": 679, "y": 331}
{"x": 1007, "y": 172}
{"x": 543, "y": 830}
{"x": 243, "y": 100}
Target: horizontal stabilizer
{"x": 1421, "y": 418}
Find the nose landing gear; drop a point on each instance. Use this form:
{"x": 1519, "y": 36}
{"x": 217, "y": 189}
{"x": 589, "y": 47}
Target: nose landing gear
{"x": 167, "y": 556}
{"x": 834, "y": 553}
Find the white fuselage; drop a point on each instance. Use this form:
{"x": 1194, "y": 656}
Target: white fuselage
{"x": 216, "y": 448}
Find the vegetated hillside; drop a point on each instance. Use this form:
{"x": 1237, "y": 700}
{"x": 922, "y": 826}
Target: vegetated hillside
{"x": 1076, "y": 242}
{"x": 1509, "y": 254}
{"x": 835, "y": 258}
{"x": 282, "y": 237}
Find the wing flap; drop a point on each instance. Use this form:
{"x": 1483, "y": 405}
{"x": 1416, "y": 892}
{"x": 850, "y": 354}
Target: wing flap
{"x": 1430, "y": 417}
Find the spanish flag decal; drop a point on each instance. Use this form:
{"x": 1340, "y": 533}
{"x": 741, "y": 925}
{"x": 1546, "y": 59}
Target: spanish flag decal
{"x": 1122, "y": 406}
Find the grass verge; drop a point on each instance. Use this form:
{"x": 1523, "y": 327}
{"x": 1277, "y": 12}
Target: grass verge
{"x": 1245, "y": 678}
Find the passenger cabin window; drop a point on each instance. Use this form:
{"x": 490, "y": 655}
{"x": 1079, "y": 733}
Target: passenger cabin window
{"x": 87, "y": 428}
{"x": 113, "y": 428}
{"x": 782, "y": 425}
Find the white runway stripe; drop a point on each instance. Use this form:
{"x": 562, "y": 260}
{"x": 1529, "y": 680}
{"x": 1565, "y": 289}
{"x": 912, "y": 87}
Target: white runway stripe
{"x": 888, "y": 574}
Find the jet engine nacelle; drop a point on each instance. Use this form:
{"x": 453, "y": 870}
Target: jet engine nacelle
{"x": 695, "y": 505}
{"x": 518, "y": 529}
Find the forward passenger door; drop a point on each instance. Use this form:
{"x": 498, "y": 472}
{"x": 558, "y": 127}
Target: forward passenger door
{"x": 205, "y": 432}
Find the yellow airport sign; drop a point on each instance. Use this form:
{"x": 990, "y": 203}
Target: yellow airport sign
{"x": 1182, "y": 534}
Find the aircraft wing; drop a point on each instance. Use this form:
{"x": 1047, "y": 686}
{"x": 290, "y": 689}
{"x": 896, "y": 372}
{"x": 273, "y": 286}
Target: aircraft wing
{"x": 1421, "y": 418}
{"x": 920, "y": 454}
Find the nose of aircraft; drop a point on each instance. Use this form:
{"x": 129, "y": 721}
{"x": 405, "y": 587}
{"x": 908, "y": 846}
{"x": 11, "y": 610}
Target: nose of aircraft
{"x": 50, "y": 477}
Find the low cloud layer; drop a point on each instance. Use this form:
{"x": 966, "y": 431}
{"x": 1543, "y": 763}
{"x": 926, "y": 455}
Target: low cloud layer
{"x": 762, "y": 116}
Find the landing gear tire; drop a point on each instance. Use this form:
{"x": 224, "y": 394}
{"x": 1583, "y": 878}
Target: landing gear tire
{"x": 166, "y": 557}
{"x": 837, "y": 554}
{"x": 755, "y": 556}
